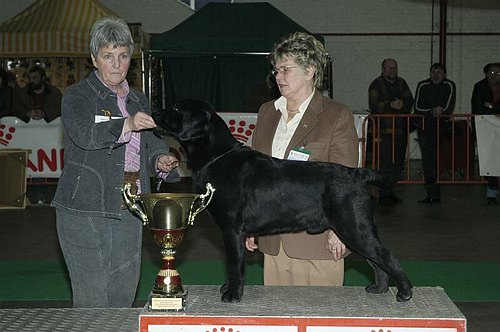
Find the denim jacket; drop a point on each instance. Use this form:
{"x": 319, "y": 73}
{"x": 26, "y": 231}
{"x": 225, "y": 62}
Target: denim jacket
{"x": 92, "y": 177}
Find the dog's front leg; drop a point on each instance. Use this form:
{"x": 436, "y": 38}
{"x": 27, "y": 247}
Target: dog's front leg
{"x": 232, "y": 291}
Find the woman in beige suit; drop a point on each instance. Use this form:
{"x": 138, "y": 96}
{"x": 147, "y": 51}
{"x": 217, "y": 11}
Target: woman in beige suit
{"x": 303, "y": 124}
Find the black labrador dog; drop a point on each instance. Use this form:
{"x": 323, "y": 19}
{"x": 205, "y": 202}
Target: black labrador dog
{"x": 259, "y": 195}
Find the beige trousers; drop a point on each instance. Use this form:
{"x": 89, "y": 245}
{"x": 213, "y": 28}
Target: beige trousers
{"x": 282, "y": 270}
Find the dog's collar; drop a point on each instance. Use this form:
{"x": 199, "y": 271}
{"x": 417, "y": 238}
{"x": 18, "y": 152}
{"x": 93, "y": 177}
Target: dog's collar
{"x": 237, "y": 146}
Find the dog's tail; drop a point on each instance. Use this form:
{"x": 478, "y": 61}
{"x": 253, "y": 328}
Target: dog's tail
{"x": 384, "y": 179}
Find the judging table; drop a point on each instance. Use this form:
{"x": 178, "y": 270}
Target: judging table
{"x": 263, "y": 308}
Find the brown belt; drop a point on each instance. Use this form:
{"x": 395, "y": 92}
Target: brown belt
{"x": 130, "y": 177}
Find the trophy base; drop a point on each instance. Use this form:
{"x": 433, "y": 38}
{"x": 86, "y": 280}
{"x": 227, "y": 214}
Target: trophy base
{"x": 161, "y": 302}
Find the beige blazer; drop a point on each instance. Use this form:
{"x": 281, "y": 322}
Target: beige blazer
{"x": 328, "y": 128}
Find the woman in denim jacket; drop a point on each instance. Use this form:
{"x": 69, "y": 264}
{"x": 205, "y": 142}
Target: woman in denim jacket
{"x": 107, "y": 142}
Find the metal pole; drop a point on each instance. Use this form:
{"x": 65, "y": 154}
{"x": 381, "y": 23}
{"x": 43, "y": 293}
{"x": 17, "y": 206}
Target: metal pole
{"x": 442, "y": 31}
{"x": 149, "y": 78}
{"x": 163, "y": 83}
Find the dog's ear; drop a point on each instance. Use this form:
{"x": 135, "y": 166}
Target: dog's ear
{"x": 157, "y": 116}
{"x": 158, "y": 119}
{"x": 168, "y": 122}
{"x": 195, "y": 119}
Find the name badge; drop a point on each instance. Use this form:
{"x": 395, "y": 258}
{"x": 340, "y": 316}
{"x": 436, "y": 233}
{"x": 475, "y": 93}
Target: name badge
{"x": 299, "y": 154}
{"x": 104, "y": 118}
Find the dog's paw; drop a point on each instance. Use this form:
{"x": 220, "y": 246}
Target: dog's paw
{"x": 224, "y": 288}
{"x": 376, "y": 289}
{"x": 404, "y": 295}
{"x": 229, "y": 296}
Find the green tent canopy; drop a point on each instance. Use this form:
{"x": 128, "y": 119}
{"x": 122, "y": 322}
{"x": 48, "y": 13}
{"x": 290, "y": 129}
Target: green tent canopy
{"x": 218, "y": 54}
{"x": 227, "y": 28}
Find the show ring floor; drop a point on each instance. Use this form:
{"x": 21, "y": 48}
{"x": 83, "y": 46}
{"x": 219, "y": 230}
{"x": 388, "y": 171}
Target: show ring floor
{"x": 263, "y": 308}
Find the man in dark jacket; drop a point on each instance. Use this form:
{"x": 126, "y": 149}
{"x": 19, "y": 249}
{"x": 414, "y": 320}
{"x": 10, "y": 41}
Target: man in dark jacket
{"x": 389, "y": 94}
{"x": 39, "y": 99}
{"x": 4, "y": 94}
{"x": 435, "y": 96}
{"x": 486, "y": 100}
{"x": 482, "y": 101}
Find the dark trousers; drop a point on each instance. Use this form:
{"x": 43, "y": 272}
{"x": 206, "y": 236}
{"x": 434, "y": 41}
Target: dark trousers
{"x": 390, "y": 157}
{"x": 492, "y": 186}
{"x": 428, "y": 140}
{"x": 103, "y": 257}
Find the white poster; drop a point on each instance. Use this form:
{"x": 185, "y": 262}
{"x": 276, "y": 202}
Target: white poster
{"x": 376, "y": 329}
{"x": 234, "y": 328}
{"x": 488, "y": 144}
{"x": 360, "y": 127}
{"x": 42, "y": 138}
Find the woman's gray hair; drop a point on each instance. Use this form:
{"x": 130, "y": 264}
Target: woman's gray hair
{"x": 112, "y": 31}
{"x": 306, "y": 50}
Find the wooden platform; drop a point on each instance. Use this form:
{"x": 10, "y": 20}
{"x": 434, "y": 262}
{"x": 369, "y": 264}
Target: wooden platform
{"x": 270, "y": 309}
{"x": 311, "y": 309}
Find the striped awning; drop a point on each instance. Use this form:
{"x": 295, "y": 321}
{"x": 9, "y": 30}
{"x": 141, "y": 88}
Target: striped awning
{"x": 51, "y": 28}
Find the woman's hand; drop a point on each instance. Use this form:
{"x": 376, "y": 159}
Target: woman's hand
{"x": 335, "y": 246}
{"x": 138, "y": 121}
{"x": 167, "y": 163}
{"x": 250, "y": 243}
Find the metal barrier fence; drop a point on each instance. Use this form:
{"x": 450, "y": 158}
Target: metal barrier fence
{"x": 455, "y": 145}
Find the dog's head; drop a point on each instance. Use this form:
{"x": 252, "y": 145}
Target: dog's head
{"x": 187, "y": 121}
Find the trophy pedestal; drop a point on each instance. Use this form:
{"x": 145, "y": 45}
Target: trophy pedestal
{"x": 161, "y": 302}
{"x": 168, "y": 293}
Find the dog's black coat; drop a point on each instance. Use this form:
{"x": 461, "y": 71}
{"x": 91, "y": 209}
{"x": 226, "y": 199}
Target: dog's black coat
{"x": 259, "y": 195}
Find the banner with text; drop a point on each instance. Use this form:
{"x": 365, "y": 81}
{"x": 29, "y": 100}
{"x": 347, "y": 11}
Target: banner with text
{"x": 46, "y": 159}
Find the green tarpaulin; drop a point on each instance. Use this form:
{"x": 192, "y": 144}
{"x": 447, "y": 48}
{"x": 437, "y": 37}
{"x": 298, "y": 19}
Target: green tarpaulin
{"x": 219, "y": 53}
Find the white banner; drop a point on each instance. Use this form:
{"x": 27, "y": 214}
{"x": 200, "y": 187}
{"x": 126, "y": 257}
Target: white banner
{"x": 205, "y": 328}
{"x": 241, "y": 125}
{"x": 488, "y": 144}
{"x": 358, "y": 123}
{"x": 45, "y": 141}
{"x": 376, "y": 328}
{"x": 42, "y": 138}
{"x": 287, "y": 328}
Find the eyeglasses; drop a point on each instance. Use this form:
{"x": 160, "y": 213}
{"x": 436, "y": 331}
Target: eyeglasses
{"x": 283, "y": 70}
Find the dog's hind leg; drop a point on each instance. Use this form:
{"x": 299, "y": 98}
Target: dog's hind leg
{"x": 232, "y": 290}
{"x": 360, "y": 235}
{"x": 384, "y": 265}
{"x": 381, "y": 284}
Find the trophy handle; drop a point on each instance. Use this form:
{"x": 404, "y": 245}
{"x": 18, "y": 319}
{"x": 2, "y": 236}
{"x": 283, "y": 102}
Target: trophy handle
{"x": 204, "y": 201}
{"x": 132, "y": 202}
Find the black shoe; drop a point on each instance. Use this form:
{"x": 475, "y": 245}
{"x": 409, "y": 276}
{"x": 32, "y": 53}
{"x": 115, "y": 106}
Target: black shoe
{"x": 384, "y": 200}
{"x": 395, "y": 199}
{"x": 429, "y": 200}
{"x": 492, "y": 201}
{"x": 389, "y": 200}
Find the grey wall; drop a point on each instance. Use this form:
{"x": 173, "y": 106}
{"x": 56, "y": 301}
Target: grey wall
{"x": 360, "y": 33}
